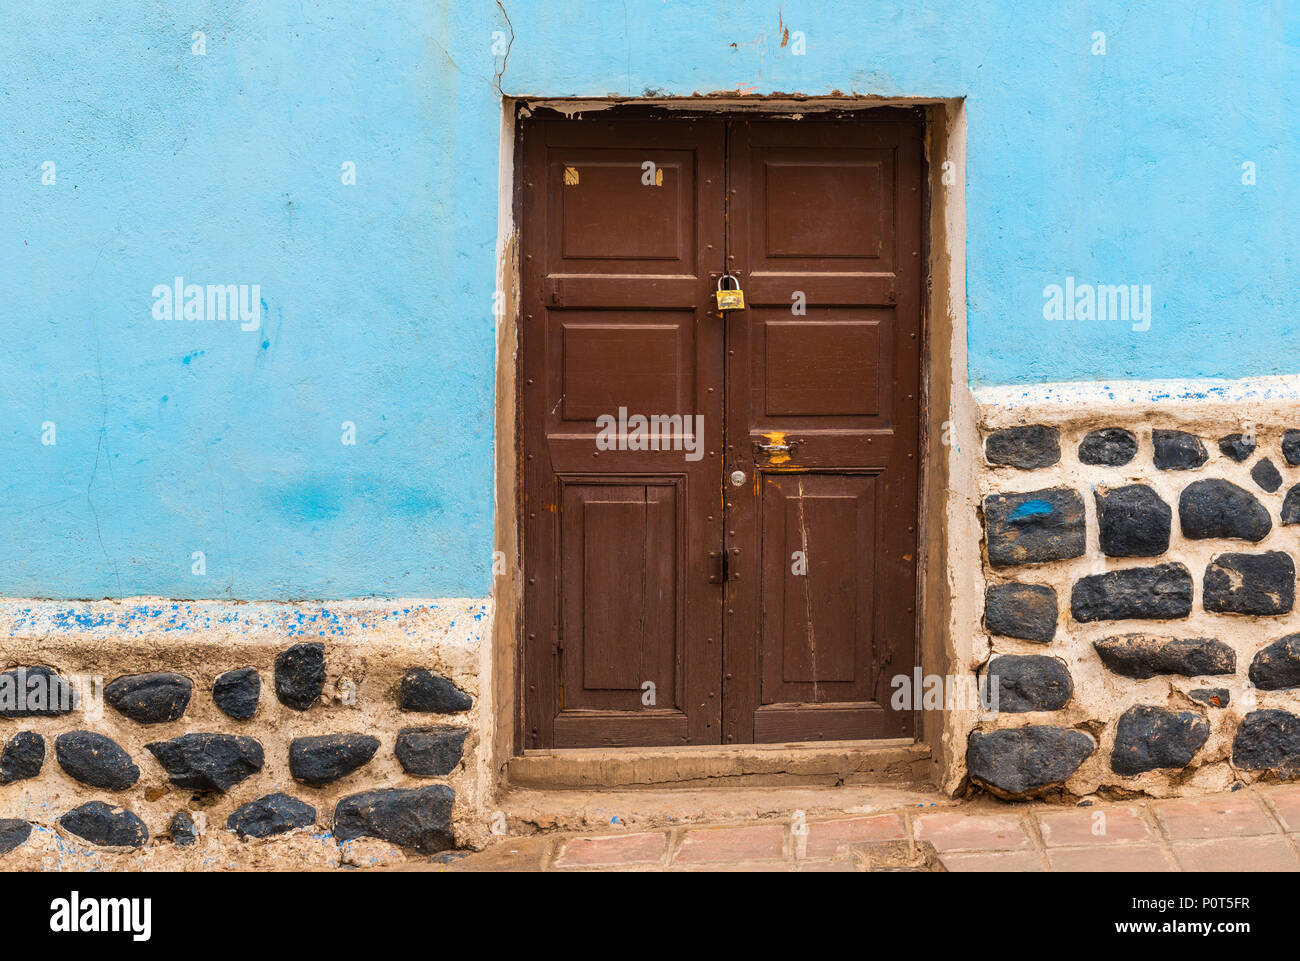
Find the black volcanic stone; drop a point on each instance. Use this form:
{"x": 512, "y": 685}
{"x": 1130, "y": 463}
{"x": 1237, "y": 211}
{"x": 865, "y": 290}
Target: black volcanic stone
{"x": 1237, "y": 446}
{"x": 1026, "y": 761}
{"x": 13, "y": 832}
{"x": 1141, "y": 656}
{"x": 236, "y": 693}
{"x": 1291, "y": 447}
{"x": 1266, "y": 475}
{"x": 1213, "y": 696}
{"x": 327, "y": 757}
{"x": 35, "y": 692}
{"x": 1277, "y": 667}
{"x": 23, "y": 757}
{"x": 150, "y": 698}
{"x": 1032, "y": 528}
{"x": 100, "y": 823}
{"x": 418, "y": 818}
{"x": 1267, "y": 740}
{"x": 182, "y": 829}
{"x": 271, "y": 815}
{"x": 96, "y": 760}
{"x": 300, "y": 675}
{"x": 430, "y": 751}
{"x": 424, "y": 691}
{"x": 1250, "y": 584}
{"x": 1028, "y": 448}
{"x": 1176, "y": 450}
{"x": 208, "y": 762}
{"x": 1148, "y": 593}
{"x": 1111, "y": 447}
{"x": 1148, "y": 738}
{"x": 1027, "y": 683}
{"x": 1291, "y": 506}
{"x": 1133, "y": 520}
{"x": 1026, "y": 611}
{"x": 1218, "y": 508}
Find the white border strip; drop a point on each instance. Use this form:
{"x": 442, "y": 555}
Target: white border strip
{"x": 1139, "y": 393}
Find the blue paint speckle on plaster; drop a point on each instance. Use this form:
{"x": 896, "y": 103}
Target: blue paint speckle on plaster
{"x": 376, "y": 298}
{"x": 139, "y": 620}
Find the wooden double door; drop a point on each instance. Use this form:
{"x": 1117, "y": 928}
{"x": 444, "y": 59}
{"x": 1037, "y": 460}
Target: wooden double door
{"x": 752, "y": 580}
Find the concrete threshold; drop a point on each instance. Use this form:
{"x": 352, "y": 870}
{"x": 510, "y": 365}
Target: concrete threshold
{"x": 900, "y": 762}
{"x": 529, "y": 812}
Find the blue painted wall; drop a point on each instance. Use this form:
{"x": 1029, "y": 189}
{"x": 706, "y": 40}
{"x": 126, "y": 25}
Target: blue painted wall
{"x": 177, "y": 436}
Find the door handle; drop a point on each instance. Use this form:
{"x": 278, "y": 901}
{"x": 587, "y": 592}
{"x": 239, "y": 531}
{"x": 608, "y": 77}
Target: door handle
{"x": 789, "y": 447}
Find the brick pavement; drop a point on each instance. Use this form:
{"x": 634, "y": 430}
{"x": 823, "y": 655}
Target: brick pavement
{"x": 1254, "y": 829}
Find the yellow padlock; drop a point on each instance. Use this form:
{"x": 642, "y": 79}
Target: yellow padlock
{"x": 730, "y": 299}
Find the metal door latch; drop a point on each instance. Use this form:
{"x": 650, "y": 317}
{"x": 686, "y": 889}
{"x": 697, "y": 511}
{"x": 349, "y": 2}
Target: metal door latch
{"x": 789, "y": 447}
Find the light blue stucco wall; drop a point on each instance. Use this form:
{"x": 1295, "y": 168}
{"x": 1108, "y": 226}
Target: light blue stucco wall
{"x": 177, "y": 436}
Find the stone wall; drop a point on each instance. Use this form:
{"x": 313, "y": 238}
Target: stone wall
{"x": 162, "y": 734}
{"x": 1139, "y": 623}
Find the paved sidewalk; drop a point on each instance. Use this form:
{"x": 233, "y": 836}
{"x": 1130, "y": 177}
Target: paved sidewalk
{"x": 1253, "y": 829}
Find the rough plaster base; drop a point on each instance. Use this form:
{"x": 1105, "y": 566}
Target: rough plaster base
{"x": 1210, "y": 410}
{"x": 368, "y": 646}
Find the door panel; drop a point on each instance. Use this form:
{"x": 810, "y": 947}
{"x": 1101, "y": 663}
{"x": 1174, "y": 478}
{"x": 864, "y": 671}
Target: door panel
{"x": 619, "y": 540}
{"x": 818, "y": 368}
{"x": 834, "y": 206}
{"x": 600, "y": 221}
{"x": 641, "y": 360}
{"x": 823, "y": 379}
{"x": 622, "y": 627}
{"x": 819, "y": 594}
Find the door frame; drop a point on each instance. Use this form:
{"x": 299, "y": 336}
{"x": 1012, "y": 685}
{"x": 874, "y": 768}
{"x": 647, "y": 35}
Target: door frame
{"x": 946, "y": 621}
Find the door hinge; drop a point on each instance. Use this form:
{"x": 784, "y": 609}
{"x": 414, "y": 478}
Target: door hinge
{"x": 724, "y": 566}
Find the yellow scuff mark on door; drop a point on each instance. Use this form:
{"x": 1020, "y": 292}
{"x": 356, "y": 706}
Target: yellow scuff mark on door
{"x": 570, "y": 176}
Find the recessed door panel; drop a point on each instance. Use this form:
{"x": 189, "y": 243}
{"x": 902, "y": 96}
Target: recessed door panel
{"x": 824, "y": 208}
{"x": 611, "y": 213}
{"x": 819, "y": 602}
{"x": 621, "y": 540}
{"x": 640, "y": 360}
{"x": 828, "y": 365}
{"x": 596, "y": 206}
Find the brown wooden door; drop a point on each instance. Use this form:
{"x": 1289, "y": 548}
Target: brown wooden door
{"x": 822, "y": 417}
{"x": 623, "y": 549}
{"x": 616, "y": 302}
